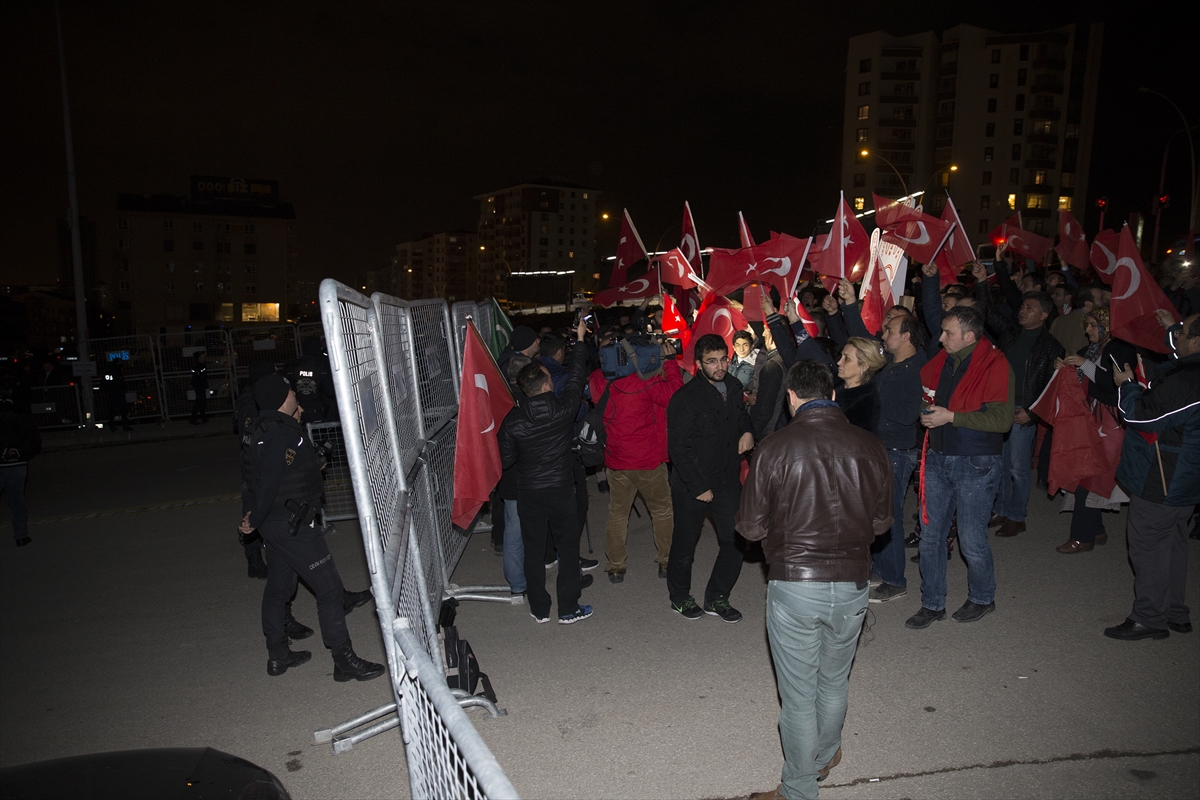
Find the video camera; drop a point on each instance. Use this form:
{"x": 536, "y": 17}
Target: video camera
{"x": 640, "y": 354}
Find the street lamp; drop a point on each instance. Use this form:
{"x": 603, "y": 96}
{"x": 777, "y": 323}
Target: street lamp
{"x": 1192, "y": 149}
{"x": 903, "y": 185}
{"x": 951, "y": 168}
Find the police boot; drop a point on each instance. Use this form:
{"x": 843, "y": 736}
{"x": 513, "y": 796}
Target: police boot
{"x": 280, "y": 657}
{"x": 347, "y": 666}
{"x": 293, "y": 628}
{"x": 255, "y": 566}
{"x": 352, "y": 600}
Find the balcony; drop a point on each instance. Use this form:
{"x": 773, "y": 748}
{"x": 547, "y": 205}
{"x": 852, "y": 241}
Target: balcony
{"x": 900, "y": 76}
{"x": 903, "y": 169}
{"x": 900, "y": 99}
{"x": 1056, "y": 64}
{"x": 1052, "y": 114}
{"x": 1038, "y": 188}
{"x": 1046, "y": 87}
{"x": 1040, "y": 163}
{"x": 1042, "y": 138}
{"x": 898, "y": 123}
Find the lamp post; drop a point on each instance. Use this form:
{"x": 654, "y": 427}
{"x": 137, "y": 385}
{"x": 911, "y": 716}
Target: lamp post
{"x": 903, "y": 185}
{"x": 1162, "y": 182}
{"x": 951, "y": 168}
{"x": 1192, "y": 149}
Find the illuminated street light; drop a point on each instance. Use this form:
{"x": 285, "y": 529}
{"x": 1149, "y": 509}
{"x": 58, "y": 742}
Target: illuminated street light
{"x": 903, "y": 185}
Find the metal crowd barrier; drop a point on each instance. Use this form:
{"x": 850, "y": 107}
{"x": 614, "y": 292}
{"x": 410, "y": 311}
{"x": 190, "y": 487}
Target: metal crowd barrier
{"x": 136, "y": 358}
{"x": 55, "y": 406}
{"x": 460, "y": 312}
{"x": 176, "y": 352}
{"x": 338, "y": 498}
{"x": 436, "y": 361}
{"x": 399, "y": 483}
{"x": 275, "y": 343}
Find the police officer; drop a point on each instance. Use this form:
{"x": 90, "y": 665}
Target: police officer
{"x": 312, "y": 381}
{"x": 285, "y": 487}
{"x": 245, "y": 422}
{"x": 199, "y": 388}
{"x": 114, "y": 386}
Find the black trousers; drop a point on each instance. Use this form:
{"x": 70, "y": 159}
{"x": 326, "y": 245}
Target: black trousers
{"x": 306, "y": 556}
{"x": 689, "y": 521}
{"x": 579, "y": 474}
{"x": 1158, "y": 550}
{"x": 1086, "y": 523}
{"x": 200, "y": 405}
{"x": 550, "y": 513}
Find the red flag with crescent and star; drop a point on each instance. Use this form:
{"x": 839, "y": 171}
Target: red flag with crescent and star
{"x": 1136, "y": 299}
{"x": 777, "y": 262}
{"x": 1020, "y": 241}
{"x": 676, "y": 269}
{"x": 483, "y": 402}
{"x": 849, "y": 260}
{"x": 744, "y": 232}
{"x": 630, "y": 251}
{"x": 1103, "y": 255}
{"x": 689, "y": 242}
{"x": 646, "y": 286}
{"x": 1072, "y": 244}
{"x": 917, "y": 233}
{"x": 956, "y": 250}
{"x": 721, "y": 318}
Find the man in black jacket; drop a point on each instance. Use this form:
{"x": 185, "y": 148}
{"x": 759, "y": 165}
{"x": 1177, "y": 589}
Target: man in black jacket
{"x": 1031, "y": 351}
{"x": 537, "y": 437}
{"x": 708, "y": 429}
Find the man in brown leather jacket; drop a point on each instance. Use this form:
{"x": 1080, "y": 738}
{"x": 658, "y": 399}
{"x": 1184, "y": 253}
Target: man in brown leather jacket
{"x": 818, "y": 493}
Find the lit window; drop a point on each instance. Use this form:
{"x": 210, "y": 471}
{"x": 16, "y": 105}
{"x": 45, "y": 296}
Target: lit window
{"x": 1035, "y": 201}
{"x": 861, "y": 135}
{"x": 1039, "y": 176}
{"x": 860, "y": 203}
{"x": 585, "y": 197}
{"x": 864, "y": 112}
{"x": 987, "y": 153}
{"x": 1064, "y": 203}
{"x": 260, "y": 312}
{"x": 1012, "y": 202}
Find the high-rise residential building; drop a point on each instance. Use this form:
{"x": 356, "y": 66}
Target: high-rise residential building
{"x": 537, "y": 242}
{"x": 444, "y": 265}
{"x": 1000, "y": 122}
{"x": 222, "y": 255}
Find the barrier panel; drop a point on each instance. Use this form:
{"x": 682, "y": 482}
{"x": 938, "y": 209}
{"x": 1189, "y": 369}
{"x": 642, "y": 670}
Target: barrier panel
{"x": 485, "y": 322}
{"x": 176, "y": 352}
{"x": 338, "y": 496}
{"x": 137, "y": 360}
{"x": 393, "y": 331}
{"x": 460, "y": 312}
{"x": 275, "y": 343}
{"x": 436, "y": 362}
{"x": 55, "y": 406}
{"x": 439, "y": 456}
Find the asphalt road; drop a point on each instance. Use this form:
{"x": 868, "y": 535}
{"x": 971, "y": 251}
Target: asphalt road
{"x": 129, "y": 622}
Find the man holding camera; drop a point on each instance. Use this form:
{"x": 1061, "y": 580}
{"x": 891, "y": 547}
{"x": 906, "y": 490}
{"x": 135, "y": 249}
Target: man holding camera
{"x": 708, "y": 429}
{"x": 285, "y": 489}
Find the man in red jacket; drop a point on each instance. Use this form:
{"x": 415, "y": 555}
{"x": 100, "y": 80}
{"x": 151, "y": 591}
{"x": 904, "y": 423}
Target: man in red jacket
{"x": 635, "y": 419}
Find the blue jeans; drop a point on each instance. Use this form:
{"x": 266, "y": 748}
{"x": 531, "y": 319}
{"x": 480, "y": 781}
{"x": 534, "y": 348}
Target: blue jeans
{"x": 962, "y": 484}
{"x": 1012, "y": 498}
{"x": 514, "y": 548}
{"x": 813, "y": 628}
{"x": 889, "y": 563}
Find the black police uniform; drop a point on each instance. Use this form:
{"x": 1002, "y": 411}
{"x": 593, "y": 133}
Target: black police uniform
{"x": 245, "y": 424}
{"x": 312, "y": 381}
{"x": 200, "y": 389}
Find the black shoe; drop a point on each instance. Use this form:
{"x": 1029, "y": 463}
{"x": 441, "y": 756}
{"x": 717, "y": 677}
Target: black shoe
{"x": 296, "y": 630}
{"x": 352, "y": 600}
{"x": 912, "y": 540}
{"x": 585, "y": 581}
{"x": 662, "y": 571}
{"x": 588, "y": 563}
{"x": 996, "y": 520}
{"x": 616, "y": 577}
{"x": 278, "y": 666}
{"x": 924, "y": 618}
{"x": 24, "y": 540}
{"x": 970, "y": 612}
{"x": 719, "y": 607}
{"x": 916, "y": 559}
{"x": 602, "y": 486}
{"x": 1180, "y": 627}
{"x": 347, "y": 666}
{"x": 1130, "y": 631}
{"x": 498, "y": 548}
{"x": 255, "y": 566}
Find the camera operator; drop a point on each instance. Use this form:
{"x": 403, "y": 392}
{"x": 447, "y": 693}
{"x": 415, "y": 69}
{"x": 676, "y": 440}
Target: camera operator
{"x": 285, "y": 496}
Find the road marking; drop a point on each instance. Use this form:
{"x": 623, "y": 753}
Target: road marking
{"x": 124, "y": 512}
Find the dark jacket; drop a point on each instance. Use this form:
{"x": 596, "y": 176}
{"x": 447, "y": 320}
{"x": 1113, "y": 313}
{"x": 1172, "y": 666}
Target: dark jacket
{"x": 537, "y": 435}
{"x": 703, "y": 432}
{"x": 767, "y": 414}
{"x": 789, "y": 350}
{"x": 285, "y": 467}
{"x": 1170, "y": 408}
{"x": 1039, "y": 364}
{"x": 199, "y": 375}
{"x": 900, "y": 417}
{"x": 20, "y": 439}
{"x": 861, "y": 405}
{"x": 819, "y": 492}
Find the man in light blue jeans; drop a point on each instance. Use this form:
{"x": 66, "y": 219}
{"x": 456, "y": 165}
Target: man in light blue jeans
{"x": 818, "y": 493}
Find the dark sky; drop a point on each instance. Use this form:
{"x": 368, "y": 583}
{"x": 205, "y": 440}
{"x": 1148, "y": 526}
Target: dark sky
{"x": 381, "y": 120}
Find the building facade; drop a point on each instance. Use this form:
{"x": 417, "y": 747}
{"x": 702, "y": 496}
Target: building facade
{"x": 444, "y": 265}
{"x": 537, "y": 242}
{"x": 223, "y": 255}
{"x": 1013, "y": 114}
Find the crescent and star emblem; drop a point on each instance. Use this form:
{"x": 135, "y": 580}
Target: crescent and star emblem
{"x": 1135, "y": 278}
{"x": 481, "y": 383}
{"x": 785, "y": 266}
{"x": 688, "y": 247}
{"x": 634, "y": 287}
{"x": 922, "y": 239}
{"x": 722, "y": 312}
{"x": 1109, "y": 258}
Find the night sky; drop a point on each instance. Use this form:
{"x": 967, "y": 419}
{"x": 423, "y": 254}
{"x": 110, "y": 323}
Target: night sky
{"x": 381, "y": 120}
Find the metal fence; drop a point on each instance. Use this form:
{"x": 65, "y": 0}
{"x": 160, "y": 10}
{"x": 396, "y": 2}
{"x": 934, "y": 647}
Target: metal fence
{"x": 177, "y": 352}
{"x": 127, "y": 370}
{"x": 55, "y": 406}
{"x": 338, "y": 496}
{"x": 278, "y": 344}
{"x": 436, "y": 361}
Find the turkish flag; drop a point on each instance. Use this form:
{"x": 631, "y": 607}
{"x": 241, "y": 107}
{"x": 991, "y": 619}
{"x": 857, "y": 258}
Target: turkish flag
{"x": 483, "y": 402}
{"x": 744, "y": 232}
{"x": 1104, "y": 254}
{"x": 1136, "y": 297}
{"x": 1076, "y": 453}
{"x": 720, "y": 318}
{"x": 956, "y": 250}
{"x": 630, "y": 251}
{"x": 1072, "y": 244}
{"x": 676, "y": 269}
{"x": 810, "y": 325}
{"x": 1010, "y": 234}
{"x": 646, "y": 286}
{"x": 876, "y": 292}
{"x": 919, "y": 234}
{"x": 849, "y": 260}
{"x": 689, "y": 243}
{"x": 777, "y": 262}
{"x": 672, "y": 322}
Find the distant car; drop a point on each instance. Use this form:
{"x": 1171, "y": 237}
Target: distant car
{"x": 195, "y": 773}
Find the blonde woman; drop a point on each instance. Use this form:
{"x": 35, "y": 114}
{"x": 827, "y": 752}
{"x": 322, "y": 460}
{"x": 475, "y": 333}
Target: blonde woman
{"x": 858, "y": 397}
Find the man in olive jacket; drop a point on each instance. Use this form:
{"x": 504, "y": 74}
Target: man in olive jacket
{"x": 818, "y": 493}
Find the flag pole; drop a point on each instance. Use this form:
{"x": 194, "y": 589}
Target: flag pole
{"x": 1161, "y": 472}
{"x": 841, "y": 233}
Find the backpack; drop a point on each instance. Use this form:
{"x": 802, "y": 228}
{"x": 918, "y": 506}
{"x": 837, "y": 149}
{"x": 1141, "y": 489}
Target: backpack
{"x": 462, "y": 667}
{"x": 591, "y": 440}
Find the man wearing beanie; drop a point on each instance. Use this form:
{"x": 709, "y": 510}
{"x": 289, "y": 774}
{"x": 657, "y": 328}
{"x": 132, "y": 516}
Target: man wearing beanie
{"x": 285, "y": 496}
{"x": 523, "y": 340}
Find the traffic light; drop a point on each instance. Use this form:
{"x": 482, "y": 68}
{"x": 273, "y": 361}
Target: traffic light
{"x": 1101, "y": 203}
{"x": 1163, "y": 201}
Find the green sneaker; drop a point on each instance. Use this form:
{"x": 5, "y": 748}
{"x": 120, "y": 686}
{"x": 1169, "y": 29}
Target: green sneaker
{"x": 719, "y": 607}
{"x": 688, "y": 609}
